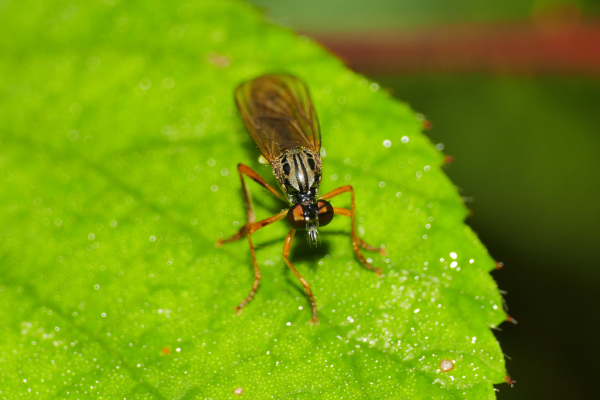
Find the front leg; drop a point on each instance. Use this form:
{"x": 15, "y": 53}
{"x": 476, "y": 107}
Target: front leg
{"x": 252, "y": 174}
{"x": 251, "y": 226}
{"x": 357, "y": 242}
{"x": 247, "y": 230}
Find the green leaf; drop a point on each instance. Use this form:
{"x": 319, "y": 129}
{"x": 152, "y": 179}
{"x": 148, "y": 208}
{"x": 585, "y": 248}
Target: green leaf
{"x": 118, "y": 154}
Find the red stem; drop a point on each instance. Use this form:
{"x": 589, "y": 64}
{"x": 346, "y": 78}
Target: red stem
{"x": 528, "y": 47}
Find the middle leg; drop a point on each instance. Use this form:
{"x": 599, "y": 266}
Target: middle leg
{"x": 357, "y": 242}
{"x": 286, "y": 251}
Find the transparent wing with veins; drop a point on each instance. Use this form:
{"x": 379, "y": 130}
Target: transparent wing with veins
{"x": 278, "y": 114}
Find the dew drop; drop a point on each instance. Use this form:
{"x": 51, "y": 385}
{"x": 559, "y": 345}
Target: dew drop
{"x": 168, "y": 83}
{"x": 76, "y": 108}
{"x": 73, "y": 135}
{"x": 446, "y": 365}
{"x": 206, "y": 113}
{"x": 166, "y": 129}
{"x": 145, "y": 83}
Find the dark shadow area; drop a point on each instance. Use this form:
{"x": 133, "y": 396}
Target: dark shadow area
{"x": 304, "y": 251}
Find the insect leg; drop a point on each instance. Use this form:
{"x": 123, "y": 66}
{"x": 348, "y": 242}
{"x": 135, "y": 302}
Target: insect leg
{"x": 249, "y": 172}
{"x": 246, "y": 170}
{"x": 357, "y": 242}
{"x": 251, "y": 227}
{"x": 257, "y": 277}
{"x": 344, "y": 189}
{"x": 247, "y": 230}
{"x": 286, "y": 251}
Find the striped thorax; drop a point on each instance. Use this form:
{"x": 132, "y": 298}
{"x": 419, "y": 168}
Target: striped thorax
{"x": 298, "y": 172}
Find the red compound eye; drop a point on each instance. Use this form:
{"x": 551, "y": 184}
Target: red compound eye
{"x": 325, "y": 212}
{"x": 295, "y": 217}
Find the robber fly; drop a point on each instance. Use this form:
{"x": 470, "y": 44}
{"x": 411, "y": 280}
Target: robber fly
{"x": 280, "y": 118}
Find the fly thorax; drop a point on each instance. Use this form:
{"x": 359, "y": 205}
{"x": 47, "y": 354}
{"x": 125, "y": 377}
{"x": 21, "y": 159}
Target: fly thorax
{"x": 298, "y": 171}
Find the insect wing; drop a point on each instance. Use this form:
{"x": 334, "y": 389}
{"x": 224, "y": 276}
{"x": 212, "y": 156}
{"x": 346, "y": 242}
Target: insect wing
{"x": 278, "y": 114}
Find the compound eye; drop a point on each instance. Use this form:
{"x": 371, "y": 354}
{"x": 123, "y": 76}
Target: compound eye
{"x": 295, "y": 217}
{"x": 325, "y": 212}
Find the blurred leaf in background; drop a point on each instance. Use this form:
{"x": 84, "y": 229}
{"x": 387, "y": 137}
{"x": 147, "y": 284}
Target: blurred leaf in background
{"x": 512, "y": 90}
{"x": 118, "y": 158}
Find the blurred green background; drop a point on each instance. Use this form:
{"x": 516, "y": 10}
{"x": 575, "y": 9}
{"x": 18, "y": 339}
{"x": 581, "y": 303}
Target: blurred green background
{"x": 525, "y": 143}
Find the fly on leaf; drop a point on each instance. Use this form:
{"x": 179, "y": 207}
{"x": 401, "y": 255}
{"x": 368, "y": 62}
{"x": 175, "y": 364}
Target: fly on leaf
{"x": 281, "y": 119}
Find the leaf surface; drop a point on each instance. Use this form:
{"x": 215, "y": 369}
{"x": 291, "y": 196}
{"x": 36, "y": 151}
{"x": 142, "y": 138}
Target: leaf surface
{"x": 118, "y": 155}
